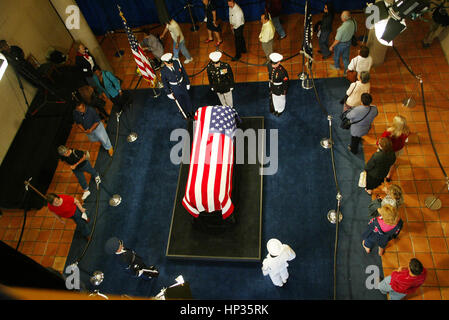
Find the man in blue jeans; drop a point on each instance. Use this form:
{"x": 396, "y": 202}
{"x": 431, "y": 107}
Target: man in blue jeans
{"x": 89, "y": 122}
{"x": 79, "y": 164}
{"x": 342, "y": 43}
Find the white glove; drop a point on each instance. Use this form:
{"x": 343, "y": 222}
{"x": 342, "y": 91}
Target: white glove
{"x": 232, "y": 89}
{"x": 188, "y": 87}
{"x": 84, "y": 216}
{"x": 171, "y": 96}
{"x": 205, "y": 19}
{"x": 212, "y": 89}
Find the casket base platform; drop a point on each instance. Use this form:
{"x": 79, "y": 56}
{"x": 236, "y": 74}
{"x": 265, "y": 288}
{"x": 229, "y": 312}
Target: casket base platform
{"x": 209, "y": 237}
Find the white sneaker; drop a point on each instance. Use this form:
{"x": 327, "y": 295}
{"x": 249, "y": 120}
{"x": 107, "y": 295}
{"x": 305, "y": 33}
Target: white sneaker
{"x": 186, "y": 61}
{"x": 85, "y": 195}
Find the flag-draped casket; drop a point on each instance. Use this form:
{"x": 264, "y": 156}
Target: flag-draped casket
{"x": 209, "y": 184}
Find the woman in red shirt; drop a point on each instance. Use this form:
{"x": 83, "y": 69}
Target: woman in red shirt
{"x": 405, "y": 280}
{"x": 398, "y": 134}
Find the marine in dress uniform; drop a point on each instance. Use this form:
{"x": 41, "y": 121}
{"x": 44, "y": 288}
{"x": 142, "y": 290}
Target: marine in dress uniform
{"x": 130, "y": 259}
{"x": 221, "y": 78}
{"x": 176, "y": 83}
{"x": 275, "y": 264}
{"x": 278, "y": 83}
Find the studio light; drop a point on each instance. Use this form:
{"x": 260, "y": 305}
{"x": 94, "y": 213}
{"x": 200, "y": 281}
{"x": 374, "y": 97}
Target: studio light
{"x": 3, "y": 65}
{"x": 392, "y": 17}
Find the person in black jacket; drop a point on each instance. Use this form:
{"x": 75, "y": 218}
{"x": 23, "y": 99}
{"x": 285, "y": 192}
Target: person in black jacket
{"x": 86, "y": 62}
{"x": 130, "y": 259}
{"x": 221, "y": 78}
{"x": 379, "y": 165}
{"x": 440, "y": 20}
{"x": 325, "y": 29}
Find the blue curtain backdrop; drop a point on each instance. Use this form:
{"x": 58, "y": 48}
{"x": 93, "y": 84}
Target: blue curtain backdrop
{"x": 102, "y": 15}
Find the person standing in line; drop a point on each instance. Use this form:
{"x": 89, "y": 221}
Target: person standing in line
{"x": 211, "y": 22}
{"x": 361, "y": 118}
{"x": 179, "y": 43}
{"x": 65, "y": 206}
{"x": 129, "y": 258}
{"x": 89, "y": 122}
{"x": 398, "y": 134}
{"x": 237, "y": 22}
{"x": 176, "y": 83}
{"x": 379, "y": 165}
{"x": 342, "y": 43}
{"x": 404, "y": 280}
{"x": 440, "y": 20}
{"x": 274, "y": 8}
{"x": 153, "y": 44}
{"x": 266, "y": 35}
{"x": 363, "y": 61}
{"x": 79, "y": 164}
{"x": 325, "y": 29}
{"x": 221, "y": 78}
{"x": 278, "y": 83}
{"x": 276, "y": 262}
{"x": 381, "y": 229}
{"x": 354, "y": 93}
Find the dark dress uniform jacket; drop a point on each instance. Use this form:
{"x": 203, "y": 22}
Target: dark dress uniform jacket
{"x": 174, "y": 81}
{"x": 84, "y": 65}
{"x": 132, "y": 261}
{"x": 278, "y": 78}
{"x": 221, "y": 78}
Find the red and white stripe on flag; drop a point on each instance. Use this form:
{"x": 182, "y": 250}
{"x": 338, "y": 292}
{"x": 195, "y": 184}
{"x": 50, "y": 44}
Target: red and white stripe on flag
{"x": 142, "y": 63}
{"x": 209, "y": 184}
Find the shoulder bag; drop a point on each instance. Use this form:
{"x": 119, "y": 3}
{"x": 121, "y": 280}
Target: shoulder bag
{"x": 346, "y": 123}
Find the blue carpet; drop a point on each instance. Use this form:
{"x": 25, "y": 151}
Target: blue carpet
{"x": 295, "y": 202}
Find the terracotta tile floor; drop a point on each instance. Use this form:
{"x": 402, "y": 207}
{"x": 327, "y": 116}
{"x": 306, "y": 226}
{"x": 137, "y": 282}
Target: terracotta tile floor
{"x": 426, "y": 232}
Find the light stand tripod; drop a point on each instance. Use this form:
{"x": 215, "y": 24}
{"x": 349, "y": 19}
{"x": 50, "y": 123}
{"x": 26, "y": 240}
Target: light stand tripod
{"x": 118, "y": 53}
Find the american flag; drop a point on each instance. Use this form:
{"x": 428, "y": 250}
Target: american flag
{"x": 308, "y": 31}
{"x": 142, "y": 62}
{"x": 209, "y": 185}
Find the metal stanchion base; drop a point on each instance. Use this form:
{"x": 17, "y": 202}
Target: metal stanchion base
{"x": 433, "y": 203}
{"x": 132, "y": 137}
{"x": 307, "y": 84}
{"x": 115, "y": 200}
{"x": 326, "y": 143}
{"x": 97, "y": 278}
{"x": 332, "y": 216}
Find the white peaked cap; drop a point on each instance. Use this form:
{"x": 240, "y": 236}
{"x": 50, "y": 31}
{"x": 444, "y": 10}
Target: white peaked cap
{"x": 215, "y": 56}
{"x": 167, "y": 56}
{"x": 274, "y": 247}
{"x": 276, "y": 57}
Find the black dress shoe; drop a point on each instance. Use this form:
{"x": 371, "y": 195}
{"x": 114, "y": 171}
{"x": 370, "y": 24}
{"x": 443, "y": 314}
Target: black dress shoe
{"x": 319, "y": 51}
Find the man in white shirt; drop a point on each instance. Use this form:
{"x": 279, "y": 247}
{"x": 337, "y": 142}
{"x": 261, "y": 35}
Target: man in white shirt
{"x": 178, "y": 40}
{"x": 237, "y": 22}
{"x": 266, "y": 35}
{"x": 363, "y": 62}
